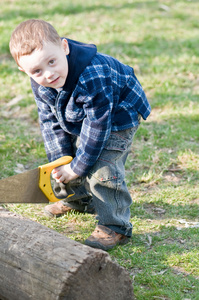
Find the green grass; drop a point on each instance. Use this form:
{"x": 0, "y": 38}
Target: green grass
{"x": 160, "y": 40}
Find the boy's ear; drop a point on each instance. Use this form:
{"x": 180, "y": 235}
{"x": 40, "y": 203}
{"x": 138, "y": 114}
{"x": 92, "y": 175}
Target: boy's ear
{"x": 20, "y": 69}
{"x": 65, "y": 46}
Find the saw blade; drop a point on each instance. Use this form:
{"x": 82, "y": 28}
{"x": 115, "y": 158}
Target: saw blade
{"x": 22, "y": 188}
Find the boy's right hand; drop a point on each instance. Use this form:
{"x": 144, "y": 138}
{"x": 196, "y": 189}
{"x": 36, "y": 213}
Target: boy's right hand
{"x": 64, "y": 174}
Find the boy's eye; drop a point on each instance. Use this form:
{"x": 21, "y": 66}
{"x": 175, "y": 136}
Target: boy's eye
{"x": 36, "y": 72}
{"x": 51, "y": 62}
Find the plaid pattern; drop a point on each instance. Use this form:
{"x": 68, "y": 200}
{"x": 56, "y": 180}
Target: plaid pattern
{"x": 107, "y": 97}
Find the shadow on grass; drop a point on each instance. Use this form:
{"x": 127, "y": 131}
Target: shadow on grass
{"x": 162, "y": 263}
{"x": 159, "y": 210}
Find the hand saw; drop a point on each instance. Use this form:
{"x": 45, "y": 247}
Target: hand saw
{"x": 32, "y": 186}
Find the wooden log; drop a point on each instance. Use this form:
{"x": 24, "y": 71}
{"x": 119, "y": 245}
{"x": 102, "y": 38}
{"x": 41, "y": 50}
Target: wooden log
{"x": 38, "y": 263}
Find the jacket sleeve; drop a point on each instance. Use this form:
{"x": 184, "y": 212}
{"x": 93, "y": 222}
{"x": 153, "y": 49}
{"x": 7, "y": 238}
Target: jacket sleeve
{"x": 57, "y": 142}
{"x": 96, "y": 128}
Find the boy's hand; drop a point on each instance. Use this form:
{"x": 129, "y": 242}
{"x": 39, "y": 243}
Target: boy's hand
{"x": 64, "y": 174}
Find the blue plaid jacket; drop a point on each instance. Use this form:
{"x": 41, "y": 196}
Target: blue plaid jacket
{"x": 100, "y": 95}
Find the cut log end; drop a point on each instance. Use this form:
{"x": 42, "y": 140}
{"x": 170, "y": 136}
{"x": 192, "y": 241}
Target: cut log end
{"x": 38, "y": 263}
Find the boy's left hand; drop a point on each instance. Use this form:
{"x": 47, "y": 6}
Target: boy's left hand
{"x": 64, "y": 174}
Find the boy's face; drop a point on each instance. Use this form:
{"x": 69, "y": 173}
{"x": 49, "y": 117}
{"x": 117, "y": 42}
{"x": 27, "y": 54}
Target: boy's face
{"x": 47, "y": 66}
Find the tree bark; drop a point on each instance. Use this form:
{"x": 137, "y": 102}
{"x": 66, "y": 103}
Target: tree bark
{"x": 38, "y": 263}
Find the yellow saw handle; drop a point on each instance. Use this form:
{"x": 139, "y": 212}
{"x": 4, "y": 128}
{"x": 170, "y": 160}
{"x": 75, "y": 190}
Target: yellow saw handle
{"x": 44, "y": 177}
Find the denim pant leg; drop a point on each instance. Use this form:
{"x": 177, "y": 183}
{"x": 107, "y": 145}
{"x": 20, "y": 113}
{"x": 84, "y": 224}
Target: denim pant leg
{"x": 81, "y": 200}
{"x": 106, "y": 180}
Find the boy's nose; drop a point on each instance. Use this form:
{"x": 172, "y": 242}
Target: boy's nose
{"x": 49, "y": 74}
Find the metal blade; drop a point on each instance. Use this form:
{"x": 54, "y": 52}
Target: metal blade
{"x": 22, "y": 188}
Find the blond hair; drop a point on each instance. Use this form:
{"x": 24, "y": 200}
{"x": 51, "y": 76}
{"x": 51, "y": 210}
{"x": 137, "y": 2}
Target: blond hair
{"x": 30, "y": 35}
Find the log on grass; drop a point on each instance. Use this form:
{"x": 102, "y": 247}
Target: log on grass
{"x": 38, "y": 263}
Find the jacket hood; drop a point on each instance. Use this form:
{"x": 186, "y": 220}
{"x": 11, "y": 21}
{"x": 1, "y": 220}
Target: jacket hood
{"x": 80, "y": 55}
{"x": 79, "y": 58}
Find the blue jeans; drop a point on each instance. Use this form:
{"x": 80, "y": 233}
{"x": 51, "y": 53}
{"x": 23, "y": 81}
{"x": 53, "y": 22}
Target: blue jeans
{"x": 106, "y": 183}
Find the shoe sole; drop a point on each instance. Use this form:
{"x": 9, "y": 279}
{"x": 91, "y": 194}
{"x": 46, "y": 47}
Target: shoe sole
{"x": 103, "y": 247}
{"x": 50, "y": 215}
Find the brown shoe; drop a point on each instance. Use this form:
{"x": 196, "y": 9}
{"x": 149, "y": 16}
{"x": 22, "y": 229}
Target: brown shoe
{"x": 56, "y": 210}
{"x": 104, "y": 238}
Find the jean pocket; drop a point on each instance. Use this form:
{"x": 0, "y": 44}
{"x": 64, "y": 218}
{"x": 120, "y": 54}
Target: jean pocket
{"x": 120, "y": 140}
{"x": 116, "y": 142}
{"x": 109, "y": 167}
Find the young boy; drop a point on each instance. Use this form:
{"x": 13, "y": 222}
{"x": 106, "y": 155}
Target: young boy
{"x": 89, "y": 106}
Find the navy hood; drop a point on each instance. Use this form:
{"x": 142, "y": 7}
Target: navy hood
{"x": 79, "y": 58}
